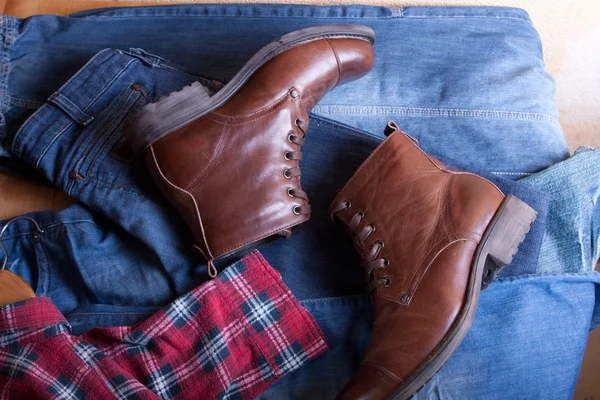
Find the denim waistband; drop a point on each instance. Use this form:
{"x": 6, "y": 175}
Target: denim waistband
{"x": 308, "y": 11}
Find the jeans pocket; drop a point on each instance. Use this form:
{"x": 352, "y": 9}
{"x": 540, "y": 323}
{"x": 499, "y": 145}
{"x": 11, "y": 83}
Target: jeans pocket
{"x": 109, "y": 129}
{"x": 104, "y": 158}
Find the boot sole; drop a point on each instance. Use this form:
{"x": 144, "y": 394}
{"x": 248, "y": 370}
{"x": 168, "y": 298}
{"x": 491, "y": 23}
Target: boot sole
{"x": 179, "y": 108}
{"x": 499, "y": 244}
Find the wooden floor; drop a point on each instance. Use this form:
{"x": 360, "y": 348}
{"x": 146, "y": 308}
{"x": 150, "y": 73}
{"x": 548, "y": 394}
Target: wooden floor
{"x": 18, "y": 196}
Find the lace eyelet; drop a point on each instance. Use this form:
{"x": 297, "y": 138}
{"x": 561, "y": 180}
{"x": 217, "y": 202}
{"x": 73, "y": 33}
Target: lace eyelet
{"x": 297, "y": 122}
{"x": 360, "y": 213}
{"x": 372, "y": 227}
{"x": 296, "y": 210}
{"x": 286, "y": 174}
{"x": 386, "y": 262}
{"x": 290, "y": 192}
{"x": 388, "y": 281}
{"x": 347, "y": 204}
{"x": 286, "y": 155}
{"x": 291, "y": 138}
{"x": 380, "y": 243}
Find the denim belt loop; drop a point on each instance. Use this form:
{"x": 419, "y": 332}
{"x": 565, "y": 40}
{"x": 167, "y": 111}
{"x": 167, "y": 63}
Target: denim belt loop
{"x": 62, "y": 102}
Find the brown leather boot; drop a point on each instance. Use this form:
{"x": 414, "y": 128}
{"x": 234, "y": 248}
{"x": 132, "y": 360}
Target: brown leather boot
{"x": 429, "y": 236}
{"x": 229, "y": 162}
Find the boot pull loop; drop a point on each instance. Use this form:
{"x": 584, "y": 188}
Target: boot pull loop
{"x": 212, "y": 270}
{"x": 391, "y": 127}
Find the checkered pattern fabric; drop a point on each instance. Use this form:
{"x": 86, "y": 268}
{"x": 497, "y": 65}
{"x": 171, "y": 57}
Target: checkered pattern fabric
{"x": 230, "y": 338}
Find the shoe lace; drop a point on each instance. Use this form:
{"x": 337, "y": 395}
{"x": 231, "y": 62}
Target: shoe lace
{"x": 373, "y": 257}
{"x": 295, "y": 171}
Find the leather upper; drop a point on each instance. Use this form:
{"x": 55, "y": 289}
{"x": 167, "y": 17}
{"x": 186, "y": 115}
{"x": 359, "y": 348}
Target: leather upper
{"x": 225, "y": 171}
{"x": 430, "y": 220}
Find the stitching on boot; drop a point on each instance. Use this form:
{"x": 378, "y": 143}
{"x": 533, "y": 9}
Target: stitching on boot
{"x": 340, "y": 68}
{"x": 198, "y": 218}
{"x": 213, "y": 163}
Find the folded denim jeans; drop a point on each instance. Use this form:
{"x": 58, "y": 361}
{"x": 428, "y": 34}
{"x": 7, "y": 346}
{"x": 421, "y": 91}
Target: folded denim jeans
{"x": 59, "y": 128}
{"x": 76, "y": 141}
{"x": 431, "y": 65}
{"x": 509, "y": 130}
{"x": 572, "y": 239}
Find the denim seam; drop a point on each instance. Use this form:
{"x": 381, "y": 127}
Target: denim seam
{"x": 465, "y": 17}
{"x": 8, "y": 37}
{"x": 54, "y": 139}
{"x": 15, "y": 101}
{"x": 7, "y": 32}
{"x": 435, "y": 112}
{"x": 99, "y": 132}
{"x": 543, "y": 275}
{"x": 41, "y": 156}
{"x": 511, "y": 173}
{"x": 85, "y": 108}
{"x": 161, "y": 63}
{"x": 508, "y": 278}
{"x": 108, "y": 185}
{"x": 84, "y": 69}
{"x": 172, "y": 68}
{"x": 393, "y": 15}
{"x": 326, "y": 299}
{"x": 47, "y": 272}
{"x": 342, "y": 126}
{"x": 45, "y": 227}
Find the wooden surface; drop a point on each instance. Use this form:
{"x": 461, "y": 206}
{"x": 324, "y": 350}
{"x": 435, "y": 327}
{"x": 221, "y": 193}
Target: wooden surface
{"x": 18, "y": 196}
{"x": 13, "y": 288}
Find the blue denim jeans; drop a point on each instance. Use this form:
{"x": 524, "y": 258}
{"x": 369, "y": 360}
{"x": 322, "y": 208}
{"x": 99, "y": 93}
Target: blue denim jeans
{"x": 572, "y": 239}
{"x": 127, "y": 251}
{"x": 76, "y": 139}
{"x": 464, "y": 81}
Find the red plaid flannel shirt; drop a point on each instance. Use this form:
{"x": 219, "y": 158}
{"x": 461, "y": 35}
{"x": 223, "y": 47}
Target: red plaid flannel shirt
{"x": 230, "y": 338}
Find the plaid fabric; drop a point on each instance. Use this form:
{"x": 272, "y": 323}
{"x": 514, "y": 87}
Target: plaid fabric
{"x": 230, "y": 338}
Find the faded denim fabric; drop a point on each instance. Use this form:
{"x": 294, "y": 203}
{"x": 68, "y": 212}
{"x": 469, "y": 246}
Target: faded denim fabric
{"x": 74, "y": 141}
{"x": 468, "y": 82}
{"x": 572, "y": 239}
{"x": 115, "y": 264}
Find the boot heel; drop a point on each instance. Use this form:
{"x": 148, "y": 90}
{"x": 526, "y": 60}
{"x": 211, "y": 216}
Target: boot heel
{"x": 506, "y": 232}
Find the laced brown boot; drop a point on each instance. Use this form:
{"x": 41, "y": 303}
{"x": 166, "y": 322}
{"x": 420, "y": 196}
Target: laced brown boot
{"x": 229, "y": 162}
{"x": 429, "y": 237}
